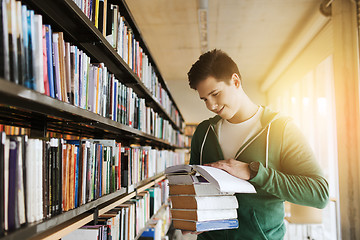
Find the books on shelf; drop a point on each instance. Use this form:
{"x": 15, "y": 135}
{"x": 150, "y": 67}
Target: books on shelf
{"x": 41, "y": 59}
{"x": 202, "y": 197}
{"x": 121, "y": 37}
{"x": 125, "y": 221}
{"x": 43, "y": 178}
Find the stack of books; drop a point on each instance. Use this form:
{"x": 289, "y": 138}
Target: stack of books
{"x": 203, "y": 199}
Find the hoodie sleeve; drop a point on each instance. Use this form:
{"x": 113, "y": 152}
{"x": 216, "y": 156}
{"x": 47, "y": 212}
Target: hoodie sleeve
{"x": 299, "y": 178}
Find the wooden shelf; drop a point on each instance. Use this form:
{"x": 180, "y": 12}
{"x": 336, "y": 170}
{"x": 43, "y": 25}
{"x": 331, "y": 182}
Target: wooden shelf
{"x": 61, "y": 225}
{"x": 23, "y": 107}
{"x": 27, "y": 108}
{"x": 154, "y": 216}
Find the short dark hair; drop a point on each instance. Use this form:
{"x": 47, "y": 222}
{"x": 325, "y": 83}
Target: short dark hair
{"x": 214, "y": 63}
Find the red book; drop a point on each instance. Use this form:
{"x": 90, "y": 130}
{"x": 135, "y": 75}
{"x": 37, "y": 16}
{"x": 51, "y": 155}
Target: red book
{"x": 119, "y": 166}
{"x": 46, "y": 78}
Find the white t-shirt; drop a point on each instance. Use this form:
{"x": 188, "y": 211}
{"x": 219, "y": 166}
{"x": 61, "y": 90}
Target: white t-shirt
{"x": 233, "y": 136}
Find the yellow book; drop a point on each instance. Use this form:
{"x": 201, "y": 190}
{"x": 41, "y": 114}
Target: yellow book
{"x": 97, "y": 13}
{"x": 62, "y": 67}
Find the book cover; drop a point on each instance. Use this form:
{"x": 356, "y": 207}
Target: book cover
{"x": 13, "y": 211}
{"x": 104, "y": 15}
{"x": 4, "y": 43}
{"x": 2, "y": 187}
{"x": 20, "y": 44}
{"x": 30, "y": 82}
{"x": 203, "y": 215}
{"x": 67, "y": 72}
{"x": 204, "y": 202}
{"x": 38, "y": 54}
{"x": 45, "y": 159}
{"x": 78, "y": 172}
{"x": 199, "y": 189}
{"x": 12, "y": 40}
{"x": 28, "y": 62}
{"x": 45, "y": 67}
{"x": 21, "y": 177}
{"x": 71, "y": 173}
{"x": 125, "y": 152}
{"x": 49, "y": 64}
{"x": 63, "y": 80}
{"x": 202, "y": 226}
{"x": 58, "y": 177}
{"x": 220, "y": 178}
{"x": 185, "y": 179}
{"x": 56, "y": 66}
{"x": 100, "y": 19}
{"x": 73, "y": 76}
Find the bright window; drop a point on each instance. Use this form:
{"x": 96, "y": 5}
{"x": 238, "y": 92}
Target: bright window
{"x": 311, "y": 103}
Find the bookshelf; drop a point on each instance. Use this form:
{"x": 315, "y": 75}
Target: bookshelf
{"x": 77, "y": 28}
{"x": 60, "y": 225}
{"x": 26, "y": 108}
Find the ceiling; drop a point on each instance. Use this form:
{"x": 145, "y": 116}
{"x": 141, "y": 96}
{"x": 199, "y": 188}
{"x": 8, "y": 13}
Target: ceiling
{"x": 255, "y": 33}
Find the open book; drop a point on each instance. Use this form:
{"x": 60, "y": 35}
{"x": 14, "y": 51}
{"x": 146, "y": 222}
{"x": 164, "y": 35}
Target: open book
{"x": 222, "y": 180}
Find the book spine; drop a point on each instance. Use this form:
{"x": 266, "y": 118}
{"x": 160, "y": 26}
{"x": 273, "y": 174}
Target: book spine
{"x": 12, "y": 40}
{"x": 4, "y": 42}
{"x": 13, "y": 217}
{"x": 2, "y": 181}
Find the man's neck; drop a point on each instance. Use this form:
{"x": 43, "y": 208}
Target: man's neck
{"x": 248, "y": 110}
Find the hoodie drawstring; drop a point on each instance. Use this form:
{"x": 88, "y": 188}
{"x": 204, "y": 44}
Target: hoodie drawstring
{"x": 203, "y": 143}
{"x": 267, "y": 146}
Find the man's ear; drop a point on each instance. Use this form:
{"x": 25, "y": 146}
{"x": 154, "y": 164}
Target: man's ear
{"x": 236, "y": 79}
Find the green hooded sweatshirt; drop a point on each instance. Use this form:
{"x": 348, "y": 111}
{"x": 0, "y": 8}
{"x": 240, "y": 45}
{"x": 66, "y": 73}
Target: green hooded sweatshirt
{"x": 288, "y": 172}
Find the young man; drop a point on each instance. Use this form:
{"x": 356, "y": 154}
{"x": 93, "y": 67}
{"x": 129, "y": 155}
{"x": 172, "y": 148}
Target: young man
{"x": 253, "y": 143}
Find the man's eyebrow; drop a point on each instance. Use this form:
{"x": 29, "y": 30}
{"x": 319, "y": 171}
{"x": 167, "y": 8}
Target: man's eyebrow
{"x": 202, "y": 98}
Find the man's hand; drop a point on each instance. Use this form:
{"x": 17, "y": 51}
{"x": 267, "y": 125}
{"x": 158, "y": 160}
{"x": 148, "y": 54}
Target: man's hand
{"x": 236, "y": 168}
{"x": 187, "y": 232}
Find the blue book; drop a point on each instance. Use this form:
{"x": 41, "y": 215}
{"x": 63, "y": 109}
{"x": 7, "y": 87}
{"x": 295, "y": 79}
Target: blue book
{"x": 100, "y": 176}
{"x": 77, "y": 171}
{"x": 30, "y": 82}
{"x": 115, "y": 102}
{"x": 49, "y": 52}
{"x": 201, "y": 226}
{"x": 13, "y": 213}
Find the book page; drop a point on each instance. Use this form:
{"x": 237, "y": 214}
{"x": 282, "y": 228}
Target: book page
{"x": 225, "y": 181}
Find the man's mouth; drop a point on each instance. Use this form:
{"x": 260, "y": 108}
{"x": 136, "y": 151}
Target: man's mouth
{"x": 218, "y": 112}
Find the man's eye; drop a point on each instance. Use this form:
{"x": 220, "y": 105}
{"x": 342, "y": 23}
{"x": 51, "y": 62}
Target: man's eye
{"x": 215, "y": 94}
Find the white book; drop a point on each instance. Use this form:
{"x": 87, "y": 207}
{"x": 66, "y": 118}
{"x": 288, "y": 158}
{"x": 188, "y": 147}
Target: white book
{"x": 92, "y": 89}
{"x": 56, "y": 62}
{"x": 38, "y": 54}
{"x": 20, "y": 179}
{"x": 204, "y": 202}
{"x": 222, "y": 180}
{"x": 38, "y": 197}
{"x": 6, "y": 182}
{"x": 203, "y": 215}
